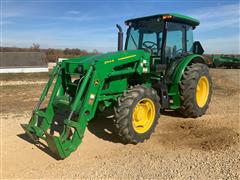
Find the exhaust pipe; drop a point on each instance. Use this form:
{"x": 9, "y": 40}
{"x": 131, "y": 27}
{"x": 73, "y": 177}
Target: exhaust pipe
{"x": 120, "y": 38}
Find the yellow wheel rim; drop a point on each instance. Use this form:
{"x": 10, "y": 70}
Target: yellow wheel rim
{"x": 143, "y": 115}
{"x": 202, "y": 91}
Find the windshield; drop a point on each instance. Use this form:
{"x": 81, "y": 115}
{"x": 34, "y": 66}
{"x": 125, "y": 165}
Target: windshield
{"x": 145, "y": 35}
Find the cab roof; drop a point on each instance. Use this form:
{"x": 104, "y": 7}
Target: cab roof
{"x": 172, "y": 17}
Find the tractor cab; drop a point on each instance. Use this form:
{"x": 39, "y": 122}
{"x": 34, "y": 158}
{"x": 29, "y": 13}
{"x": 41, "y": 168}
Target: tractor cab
{"x": 166, "y": 36}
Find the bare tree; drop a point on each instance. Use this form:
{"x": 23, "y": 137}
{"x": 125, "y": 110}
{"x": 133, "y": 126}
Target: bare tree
{"x": 35, "y": 47}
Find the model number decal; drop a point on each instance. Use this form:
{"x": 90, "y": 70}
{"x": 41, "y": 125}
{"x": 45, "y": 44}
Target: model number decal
{"x": 109, "y": 61}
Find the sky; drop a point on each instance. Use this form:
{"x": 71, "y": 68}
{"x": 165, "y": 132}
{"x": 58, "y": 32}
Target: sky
{"x": 90, "y": 24}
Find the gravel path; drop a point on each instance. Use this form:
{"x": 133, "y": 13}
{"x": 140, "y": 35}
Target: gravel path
{"x": 180, "y": 148}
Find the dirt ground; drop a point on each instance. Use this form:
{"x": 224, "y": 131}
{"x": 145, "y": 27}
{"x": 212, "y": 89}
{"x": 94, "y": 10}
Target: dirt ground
{"x": 180, "y": 148}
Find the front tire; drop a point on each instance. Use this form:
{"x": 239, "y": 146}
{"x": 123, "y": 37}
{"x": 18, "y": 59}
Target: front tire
{"x": 136, "y": 114}
{"x": 196, "y": 90}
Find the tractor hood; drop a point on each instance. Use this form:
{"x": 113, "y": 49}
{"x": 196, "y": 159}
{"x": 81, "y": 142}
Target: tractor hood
{"x": 108, "y": 57}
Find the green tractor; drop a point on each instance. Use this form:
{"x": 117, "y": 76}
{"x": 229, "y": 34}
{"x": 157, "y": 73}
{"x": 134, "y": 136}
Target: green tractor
{"x": 160, "y": 68}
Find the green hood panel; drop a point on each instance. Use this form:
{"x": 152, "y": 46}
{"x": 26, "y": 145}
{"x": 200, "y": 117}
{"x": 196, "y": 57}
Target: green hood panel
{"x": 104, "y": 58}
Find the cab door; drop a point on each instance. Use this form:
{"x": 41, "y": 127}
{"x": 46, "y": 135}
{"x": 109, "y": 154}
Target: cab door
{"x": 179, "y": 41}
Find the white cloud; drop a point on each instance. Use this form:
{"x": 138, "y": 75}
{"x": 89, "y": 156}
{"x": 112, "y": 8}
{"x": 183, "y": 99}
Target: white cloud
{"x": 213, "y": 18}
{"x": 212, "y": 21}
{"x": 73, "y": 12}
{"x": 2, "y": 23}
{"x": 217, "y": 12}
{"x": 11, "y": 11}
{"x": 221, "y": 23}
{"x": 227, "y": 45}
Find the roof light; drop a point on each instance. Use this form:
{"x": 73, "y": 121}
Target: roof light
{"x": 167, "y": 17}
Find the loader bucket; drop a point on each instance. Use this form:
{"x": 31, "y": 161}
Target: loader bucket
{"x": 71, "y": 130}
{"x": 55, "y": 146}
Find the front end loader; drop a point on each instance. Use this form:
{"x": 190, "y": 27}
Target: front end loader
{"x": 160, "y": 68}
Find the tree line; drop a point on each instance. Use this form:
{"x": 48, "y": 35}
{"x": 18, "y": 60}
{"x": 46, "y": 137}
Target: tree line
{"x": 51, "y": 54}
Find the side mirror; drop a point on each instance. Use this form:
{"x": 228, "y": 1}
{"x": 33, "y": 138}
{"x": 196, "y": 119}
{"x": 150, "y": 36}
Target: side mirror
{"x": 197, "y": 48}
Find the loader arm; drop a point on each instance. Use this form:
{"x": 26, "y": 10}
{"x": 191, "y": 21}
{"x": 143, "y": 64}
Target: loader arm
{"x": 103, "y": 81}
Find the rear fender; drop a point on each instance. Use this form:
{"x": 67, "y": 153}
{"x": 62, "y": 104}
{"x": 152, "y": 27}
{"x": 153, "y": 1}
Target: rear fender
{"x": 174, "y": 76}
{"x": 181, "y": 66}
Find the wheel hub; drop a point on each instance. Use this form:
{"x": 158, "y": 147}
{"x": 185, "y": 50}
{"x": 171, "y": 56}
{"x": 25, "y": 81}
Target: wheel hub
{"x": 143, "y": 115}
{"x": 202, "y": 91}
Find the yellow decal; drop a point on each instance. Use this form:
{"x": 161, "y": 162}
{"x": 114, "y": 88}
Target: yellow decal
{"x": 126, "y": 57}
{"x": 110, "y": 61}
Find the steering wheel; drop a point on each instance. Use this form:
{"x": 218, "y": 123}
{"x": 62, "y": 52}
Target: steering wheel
{"x": 178, "y": 51}
{"x": 150, "y": 45}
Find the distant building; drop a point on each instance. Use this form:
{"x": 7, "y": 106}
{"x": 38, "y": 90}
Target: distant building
{"x": 23, "y": 62}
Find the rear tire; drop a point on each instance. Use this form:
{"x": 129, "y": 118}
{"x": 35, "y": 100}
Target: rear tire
{"x": 136, "y": 114}
{"x": 196, "y": 90}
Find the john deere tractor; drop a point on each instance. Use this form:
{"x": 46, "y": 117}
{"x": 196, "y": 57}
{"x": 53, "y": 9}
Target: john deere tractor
{"x": 160, "y": 67}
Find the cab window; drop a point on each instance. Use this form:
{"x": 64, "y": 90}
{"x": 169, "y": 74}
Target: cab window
{"x": 189, "y": 39}
{"x": 175, "y": 40}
